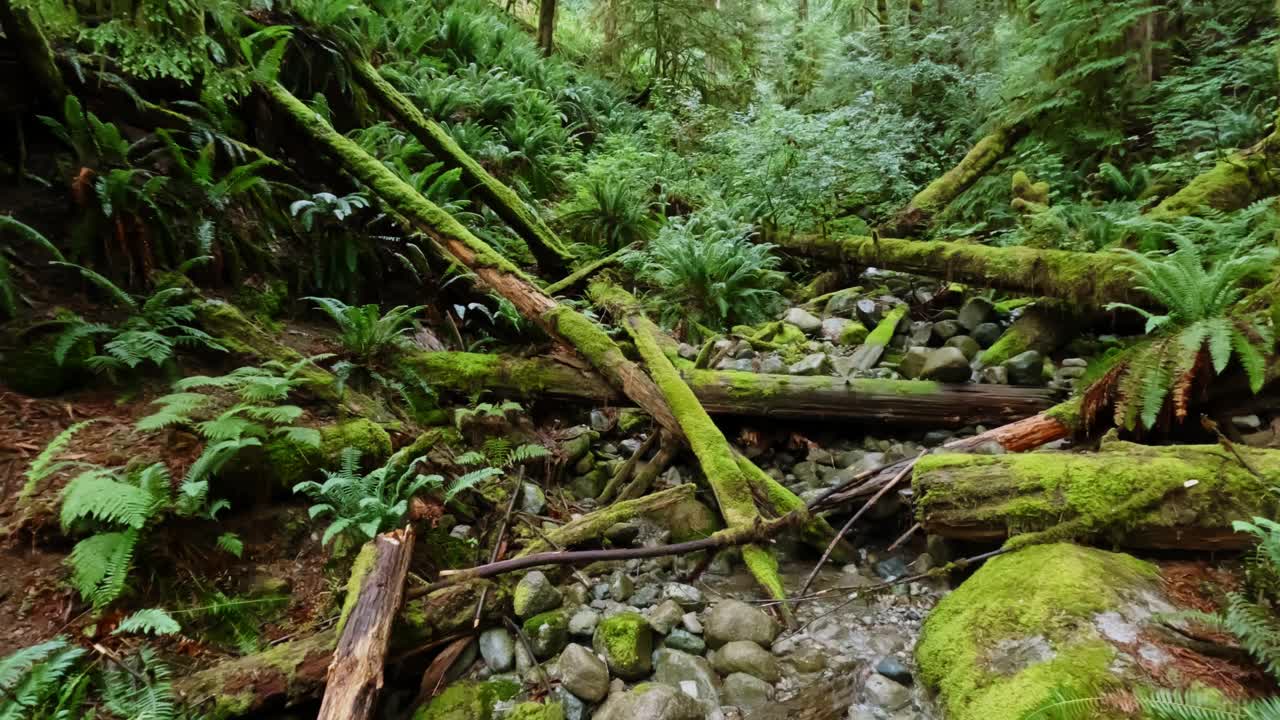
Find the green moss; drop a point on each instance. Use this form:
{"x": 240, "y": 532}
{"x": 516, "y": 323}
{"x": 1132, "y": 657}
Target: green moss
{"x": 263, "y": 303}
{"x": 1231, "y": 184}
{"x": 548, "y": 631}
{"x": 887, "y": 327}
{"x": 980, "y": 158}
{"x": 626, "y": 641}
{"x": 688, "y": 520}
{"x": 291, "y": 462}
{"x": 631, "y": 419}
{"x": 537, "y": 711}
{"x": 1051, "y": 591}
{"x": 444, "y": 551}
{"x": 852, "y": 334}
{"x": 464, "y": 700}
{"x": 355, "y": 580}
{"x": 1011, "y": 343}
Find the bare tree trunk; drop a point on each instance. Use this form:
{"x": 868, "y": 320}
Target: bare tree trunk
{"x": 547, "y": 26}
{"x": 42, "y": 77}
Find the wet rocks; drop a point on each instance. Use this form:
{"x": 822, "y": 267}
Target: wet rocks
{"x": 894, "y": 669}
{"x": 744, "y": 656}
{"x": 535, "y": 594}
{"x": 652, "y": 701}
{"x": 974, "y": 312}
{"x": 685, "y": 641}
{"x": 732, "y": 620}
{"x": 626, "y": 643}
{"x": 803, "y": 319}
{"x": 583, "y": 674}
{"x": 814, "y": 364}
{"x": 946, "y": 364}
{"x": 1025, "y": 368}
{"x": 548, "y": 633}
{"x": 498, "y": 649}
{"x": 885, "y": 693}
{"x": 747, "y": 692}
{"x": 690, "y": 673}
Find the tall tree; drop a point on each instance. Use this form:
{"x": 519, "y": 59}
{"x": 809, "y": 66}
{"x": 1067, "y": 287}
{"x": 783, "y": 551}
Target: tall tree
{"x": 547, "y": 26}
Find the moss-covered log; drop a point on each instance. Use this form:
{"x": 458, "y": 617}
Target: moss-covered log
{"x": 594, "y": 524}
{"x": 1231, "y": 184}
{"x": 1043, "y": 327}
{"x": 728, "y": 392}
{"x": 1085, "y": 279}
{"x": 872, "y": 348}
{"x": 937, "y": 195}
{"x": 294, "y": 671}
{"x": 40, "y": 76}
{"x": 1128, "y": 494}
{"x": 584, "y": 273}
{"x": 543, "y": 243}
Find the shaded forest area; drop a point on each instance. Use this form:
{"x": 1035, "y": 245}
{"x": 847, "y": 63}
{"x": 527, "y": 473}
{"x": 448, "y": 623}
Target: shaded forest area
{"x": 639, "y": 359}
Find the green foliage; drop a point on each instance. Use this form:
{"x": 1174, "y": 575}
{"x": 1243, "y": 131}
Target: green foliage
{"x": 706, "y": 270}
{"x": 42, "y": 681}
{"x": 8, "y": 290}
{"x": 156, "y": 327}
{"x": 148, "y": 621}
{"x": 46, "y": 464}
{"x": 364, "y": 505}
{"x": 364, "y": 331}
{"x": 609, "y": 215}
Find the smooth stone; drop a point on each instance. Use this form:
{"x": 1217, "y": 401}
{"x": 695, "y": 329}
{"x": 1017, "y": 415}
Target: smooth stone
{"x": 891, "y": 569}
{"x": 532, "y": 499}
{"x": 583, "y": 622}
{"x": 664, "y": 616}
{"x": 987, "y": 334}
{"x": 498, "y": 649}
{"x": 974, "y": 312}
{"x": 651, "y": 701}
{"x": 688, "y": 596}
{"x": 732, "y": 620}
{"x": 621, "y": 587}
{"x": 691, "y": 623}
{"x": 886, "y": 693}
{"x": 689, "y": 673}
{"x": 944, "y": 330}
{"x": 746, "y": 657}
{"x": 966, "y": 345}
{"x": 844, "y": 365}
{"x": 647, "y": 595}
{"x": 913, "y": 362}
{"x": 747, "y": 692}
{"x": 996, "y": 375}
{"x": 814, "y": 364}
{"x": 869, "y": 312}
{"x": 1247, "y": 423}
{"x": 894, "y": 669}
{"x": 574, "y": 708}
{"x": 535, "y": 594}
{"x": 584, "y": 674}
{"x": 685, "y": 641}
{"x": 920, "y": 333}
{"x": 626, "y": 643}
{"x": 946, "y": 364}
{"x": 833, "y": 328}
{"x": 773, "y": 365}
{"x": 803, "y": 319}
{"x": 1025, "y": 368}
{"x": 548, "y": 633}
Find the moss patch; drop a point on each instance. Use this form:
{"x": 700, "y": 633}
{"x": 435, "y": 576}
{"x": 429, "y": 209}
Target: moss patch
{"x": 1047, "y": 591}
{"x": 537, "y": 711}
{"x": 291, "y": 462}
{"x": 626, "y": 642}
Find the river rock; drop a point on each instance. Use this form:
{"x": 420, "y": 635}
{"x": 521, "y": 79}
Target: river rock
{"x": 946, "y": 364}
{"x": 574, "y": 707}
{"x": 583, "y": 622}
{"x": 966, "y": 345}
{"x": 773, "y": 364}
{"x": 685, "y": 641}
{"x": 803, "y": 319}
{"x": 833, "y": 327}
{"x": 532, "y": 499}
{"x": 995, "y": 375}
{"x": 626, "y": 643}
{"x": 883, "y": 692}
{"x": 986, "y": 334}
{"x": 813, "y": 364}
{"x": 650, "y": 701}
{"x": 869, "y": 312}
{"x": 664, "y": 616}
{"x": 944, "y": 330}
{"x": 689, "y": 673}
{"x": 1025, "y": 368}
{"x": 498, "y": 649}
{"x": 747, "y": 692}
{"x": 974, "y": 312}
{"x": 621, "y": 587}
{"x": 583, "y": 674}
{"x": 687, "y": 596}
{"x": 913, "y": 362}
{"x": 747, "y": 657}
{"x": 920, "y": 333}
{"x": 731, "y": 620}
{"x": 894, "y": 669}
{"x": 548, "y": 633}
{"x": 535, "y": 594}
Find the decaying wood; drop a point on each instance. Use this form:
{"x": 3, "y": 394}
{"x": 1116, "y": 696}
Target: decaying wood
{"x": 594, "y": 524}
{"x": 355, "y": 673}
{"x": 624, "y": 472}
{"x": 731, "y": 392}
{"x": 1167, "y": 497}
{"x": 505, "y": 203}
{"x": 649, "y": 471}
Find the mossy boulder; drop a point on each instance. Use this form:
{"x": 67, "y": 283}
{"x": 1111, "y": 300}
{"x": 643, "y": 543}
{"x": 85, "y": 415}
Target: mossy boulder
{"x": 290, "y": 462}
{"x": 689, "y": 519}
{"x": 1046, "y": 617}
{"x": 29, "y": 368}
{"x": 548, "y": 633}
{"x": 626, "y": 642}
{"x": 537, "y": 711}
{"x": 469, "y": 700}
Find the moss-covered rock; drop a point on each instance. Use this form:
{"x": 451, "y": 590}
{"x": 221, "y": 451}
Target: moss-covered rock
{"x": 1025, "y": 624}
{"x": 626, "y": 642}
{"x": 689, "y": 519}
{"x": 548, "y": 633}
{"x": 537, "y": 711}
{"x": 30, "y": 369}
{"x": 467, "y": 700}
{"x": 290, "y": 462}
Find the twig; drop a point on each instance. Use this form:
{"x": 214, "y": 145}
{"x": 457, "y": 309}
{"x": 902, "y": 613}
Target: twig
{"x": 725, "y": 538}
{"x": 528, "y": 647}
{"x": 497, "y": 544}
{"x": 856, "y": 516}
{"x": 582, "y": 579}
{"x": 904, "y": 537}
{"x": 1209, "y": 424}
{"x": 121, "y": 664}
{"x": 821, "y": 501}
{"x": 627, "y": 468}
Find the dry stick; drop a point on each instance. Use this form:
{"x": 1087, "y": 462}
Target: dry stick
{"x": 1212, "y": 426}
{"x": 645, "y": 476}
{"x": 497, "y": 544}
{"x": 528, "y": 647}
{"x": 818, "y": 502}
{"x": 856, "y": 516}
{"x": 904, "y": 537}
{"x": 734, "y": 536}
{"x": 627, "y": 468}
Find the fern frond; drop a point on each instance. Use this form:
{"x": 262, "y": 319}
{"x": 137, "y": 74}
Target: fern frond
{"x": 100, "y": 565}
{"x": 46, "y": 462}
{"x": 149, "y": 621}
{"x": 470, "y": 480}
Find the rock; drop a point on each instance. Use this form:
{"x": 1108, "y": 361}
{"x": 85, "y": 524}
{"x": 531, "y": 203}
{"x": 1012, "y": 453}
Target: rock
{"x": 498, "y": 649}
{"x": 623, "y": 533}
{"x": 535, "y": 594}
{"x": 747, "y": 692}
{"x": 731, "y": 620}
{"x": 588, "y": 486}
{"x": 600, "y": 421}
{"x": 621, "y": 587}
{"x": 853, "y": 334}
{"x": 575, "y": 593}
{"x": 986, "y": 334}
{"x": 467, "y": 700}
{"x": 808, "y": 658}
{"x": 650, "y": 701}
{"x": 685, "y": 641}
{"x": 626, "y": 643}
{"x": 842, "y": 303}
{"x": 647, "y": 595}
{"x": 814, "y": 364}
{"x": 832, "y": 327}
{"x": 921, "y": 332}
{"x": 548, "y": 633}
{"x": 772, "y": 364}
{"x": 536, "y": 711}
{"x": 689, "y": 519}
{"x": 974, "y": 312}
{"x": 664, "y": 616}
{"x": 891, "y": 569}
{"x": 574, "y": 708}
{"x": 996, "y": 375}
{"x": 532, "y": 500}
{"x": 803, "y": 319}
{"x": 845, "y": 365}
{"x": 1247, "y": 423}
{"x": 946, "y": 364}
{"x": 944, "y": 330}
{"x": 885, "y": 693}
{"x": 583, "y": 674}
{"x": 747, "y": 657}
{"x": 691, "y": 623}
{"x": 460, "y": 531}
{"x": 579, "y": 445}
{"x": 690, "y": 674}
{"x": 585, "y": 465}
{"x": 869, "y": 312}
{"x": 583, "y": 622}
{"x": 894, "y": 669}
{"x": 688, "y": 596}
{"x": 966, "y": 345}
{"x": 687, "y": 351}
{"x": 913, "y": 362}
{"x": 1025, "y": 368}
{"x": 1079, "y": 620}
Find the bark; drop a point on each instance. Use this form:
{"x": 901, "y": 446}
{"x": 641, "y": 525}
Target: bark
{"x": 594, "y": 524}
{"x": 919, "y": 214}
{"x": 547, "y": 26}
{"x": 729, "y": 392}
{"x": 1131, "y": 495}
{"x": 40, "y": 76}
{"x": 355, "y": 674}
{"x": 1084, "y": 279}
{"x": 1233, "y": 183}
{"x": 550, "y": 253}
{"x": 294, "y": 671}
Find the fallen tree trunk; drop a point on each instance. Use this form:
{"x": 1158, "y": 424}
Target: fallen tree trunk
{"x": 993, "y": 497}
{"x": 584, "y": 273}
{"x": 595, "y": 524}
{"x": 1231, "y": 184}
{"x": 547, "y": 249}
{"x": 728, "y": 392}
{"x": 355, "y": 674}
{"x": 295, "y": 671}
{"x": 562, "y": 323}
{"x": 1085, "y": 279}
{"x": 937, "y": 195}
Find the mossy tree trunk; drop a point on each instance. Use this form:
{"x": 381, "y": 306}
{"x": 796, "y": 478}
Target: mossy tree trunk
{"x": 1043, "y": 327}
{"x": 919, "y": 214}
{"x": 1133, "y": 495}
{"x": 1231, "y": 184}
{"x": 42, "y": 79}
{"x": 550, "y": 253}
{"x": 727, "y": 392}
{"x": 1086, "y": 279}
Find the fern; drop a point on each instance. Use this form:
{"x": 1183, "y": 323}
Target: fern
{"x": 364, "y": 505}
{"x": 149, "y": 621}
{"x": 38, "y": 681}
{"x": 363, "y": 330}
{"x": 100, "y": 565}
{"x": 46, "y": 463}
